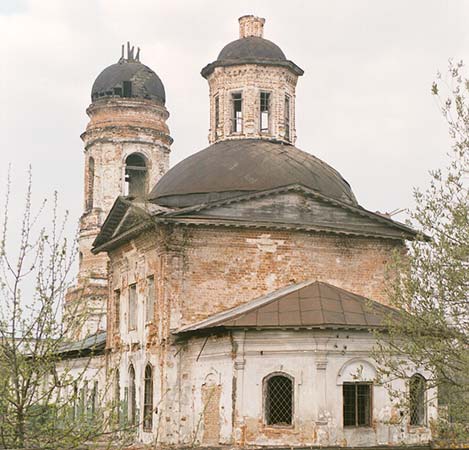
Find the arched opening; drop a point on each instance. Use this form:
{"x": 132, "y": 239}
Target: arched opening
{"x": 135, "y": 175}
{"x": 117, "y": 396}
{"x": 148, "y": 399}
{"x": 132, "y": 407}
{"x": 278, "y": 400}
{"x": 90, "y": 185}
{"x": 417, "y": 387}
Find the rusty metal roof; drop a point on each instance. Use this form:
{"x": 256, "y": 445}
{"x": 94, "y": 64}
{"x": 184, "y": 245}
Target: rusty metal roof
{"x": 233, "y": 167}
{"x": 312, "y": 304}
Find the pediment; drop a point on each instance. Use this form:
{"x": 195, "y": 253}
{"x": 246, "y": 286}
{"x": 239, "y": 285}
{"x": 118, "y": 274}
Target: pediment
{"x": 298, "y": 206}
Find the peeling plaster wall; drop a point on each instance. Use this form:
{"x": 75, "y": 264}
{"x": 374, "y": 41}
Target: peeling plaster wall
{"x": 318, "y": 361}
{"x": 118, "y": 127}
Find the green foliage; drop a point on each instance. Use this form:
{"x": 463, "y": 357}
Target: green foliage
{"x": 433, "y": 285}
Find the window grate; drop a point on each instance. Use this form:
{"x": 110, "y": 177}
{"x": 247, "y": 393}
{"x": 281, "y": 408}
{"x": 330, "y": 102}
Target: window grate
{"x": 417, "y": 400}
{"x": 357, "y": 404}
{"x": 279, "y": 400}
{"x": 148, "y": 399}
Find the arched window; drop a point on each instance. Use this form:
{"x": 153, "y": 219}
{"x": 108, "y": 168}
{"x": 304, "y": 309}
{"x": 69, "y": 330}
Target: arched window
{"x": 132, "y": 407}
{"x": 278, "y": 400}
{"x": 135, "y": 175}
{"x": 117, "y": 396}
{"x": 90, "y": 184}
{"x": 148, "y": 399}
{"x": 417, "y": 387}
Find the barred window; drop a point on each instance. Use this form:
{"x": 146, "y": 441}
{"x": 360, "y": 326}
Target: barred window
{"x": 264, "y": 111}
{"x": 417, "y": 387}
{"x": 132, "y": 406}
{"x": 132, "y": 307}
{"x": 148, "y": 399}
{"x": 150, "y": 304}
{"x": 357, "y": 404}
{"x": 237, "y": 119}
{"x": 278, "y": 400}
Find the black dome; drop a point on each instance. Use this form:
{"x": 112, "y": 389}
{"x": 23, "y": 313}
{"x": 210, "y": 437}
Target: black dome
{"x": 233, "y": 167}
{"x": 144, "y": 82}
{"x": 251, "y": 48}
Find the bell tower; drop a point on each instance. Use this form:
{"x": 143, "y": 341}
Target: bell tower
{"x": 252, "y": 88}
{"x": 127, "y": 146}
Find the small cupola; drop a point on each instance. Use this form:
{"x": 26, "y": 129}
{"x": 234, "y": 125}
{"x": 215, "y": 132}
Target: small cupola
{"x": 252, "y": 88}
{"x": 129, "y": 78}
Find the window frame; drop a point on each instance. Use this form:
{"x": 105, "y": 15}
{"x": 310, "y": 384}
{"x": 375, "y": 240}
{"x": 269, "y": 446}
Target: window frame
{"x": 265, "y": 393}
{"x": 132, "y": 312}
{"x": 234, "y": 119}
{"x": 150, "y": 315}
{"x": 117, "y": 310}
{"x": 269, "y": 110}
{"x": 216, "y": 109}
{"x": 148, "y": 400}
{"x": 287, "y": 117}
{"x": 370, "y": 403}
{"x": 132, "y": 400}
{"x": 421, "y": 379}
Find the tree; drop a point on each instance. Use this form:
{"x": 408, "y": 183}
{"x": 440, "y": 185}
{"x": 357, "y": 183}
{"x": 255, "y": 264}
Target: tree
{"x": 432, "y": 287}
{"x": 44, "y": 403}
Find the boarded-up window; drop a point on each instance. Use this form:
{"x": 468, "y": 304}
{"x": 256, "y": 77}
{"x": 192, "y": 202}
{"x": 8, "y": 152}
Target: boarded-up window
{"x": 150, "y": 304}
{"x": 211, "y": 393}
{"x": 148, "y": 399}
{"x": 132, "y": 307}
{"x": 278, "y": 400}
{"x": 357, "y": 404}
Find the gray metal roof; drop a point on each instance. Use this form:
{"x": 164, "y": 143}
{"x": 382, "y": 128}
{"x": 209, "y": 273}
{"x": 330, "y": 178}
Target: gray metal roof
{"x": 251, "y": 50}
{"x": 251, "y": 47}
{"x": 145, "y": 83}
{"x": 94, "y": 343}
{"x": 229, "y": 168}
{"x": 309, "y": 304}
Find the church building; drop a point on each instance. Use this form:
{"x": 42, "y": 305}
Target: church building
{"x": 238, "y": 290}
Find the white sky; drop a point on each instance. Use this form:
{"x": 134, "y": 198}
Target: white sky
{"x": 363, "y": 105}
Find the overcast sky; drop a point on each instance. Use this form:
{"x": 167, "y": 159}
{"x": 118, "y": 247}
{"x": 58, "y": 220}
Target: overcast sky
{"x": 363, "y": 104}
